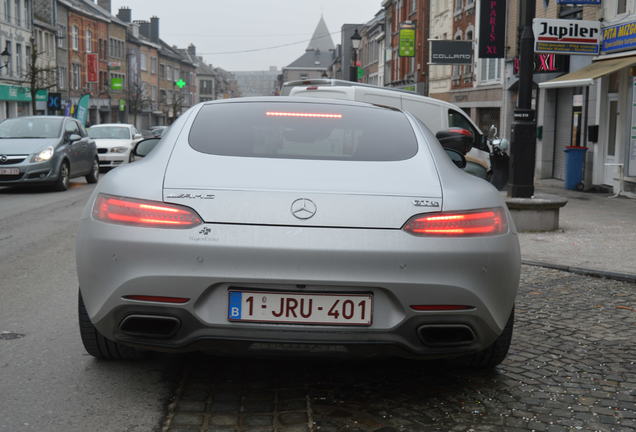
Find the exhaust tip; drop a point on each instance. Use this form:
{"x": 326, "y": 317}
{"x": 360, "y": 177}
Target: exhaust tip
{"x": 446, "y": 335}
{"x": 155, "y": 326}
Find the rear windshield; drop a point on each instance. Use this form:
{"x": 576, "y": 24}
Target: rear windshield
{"x": 303, "y": 131}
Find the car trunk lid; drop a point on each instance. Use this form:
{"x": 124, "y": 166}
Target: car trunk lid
{"x": 303, "y": 192}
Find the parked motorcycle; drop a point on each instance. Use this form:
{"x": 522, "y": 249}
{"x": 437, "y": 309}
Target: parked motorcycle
{"x": 461, "y": 141}
{"x": 499, "y": 159}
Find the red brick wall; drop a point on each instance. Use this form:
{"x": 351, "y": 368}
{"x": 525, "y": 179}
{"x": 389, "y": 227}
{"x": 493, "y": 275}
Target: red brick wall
{"x": 99, "y": 31}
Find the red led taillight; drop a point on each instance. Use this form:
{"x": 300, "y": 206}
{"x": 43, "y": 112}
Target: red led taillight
{"x": 458, "y": 224}
{"x": 302, "y": 115}
{"x": 151, "y": 214}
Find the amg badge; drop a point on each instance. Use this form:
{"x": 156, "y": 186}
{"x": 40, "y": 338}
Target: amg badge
{"x": 425, "y": 203}
{"x": 192, "y": 196}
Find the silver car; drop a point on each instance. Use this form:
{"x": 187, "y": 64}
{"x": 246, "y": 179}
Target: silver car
{"x": 291, "y": 225}
{"x": 46, "y": 150}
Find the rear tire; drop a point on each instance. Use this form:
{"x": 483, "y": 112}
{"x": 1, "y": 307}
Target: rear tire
{"x": 495, "y": 353}
{"x": 93, "y": 176}
{"x": 97, "y": 345}
{"x": 63, "y": 178}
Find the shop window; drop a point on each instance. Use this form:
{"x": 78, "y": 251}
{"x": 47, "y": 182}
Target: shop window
{"x": 459, "y": 4}
{"x": 75, "y": 76}
{"x": 75, "y": 38}
{"x": 89, "y": 41}
{"x": 490, "y": 70}
{"x": 613, "y": 83}
{"x": 61, "y": 36}
{"x": 18, "y": 60}
{"x": 621, "y": 6}
{"x": 17, "y": 12}
{"x": 61, "y": 77}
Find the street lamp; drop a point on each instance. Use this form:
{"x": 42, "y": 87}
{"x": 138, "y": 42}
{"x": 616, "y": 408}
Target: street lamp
{"x": 355, "y": 44}
{"x": 524, "y": 126}
{"x": 5, "y": 56}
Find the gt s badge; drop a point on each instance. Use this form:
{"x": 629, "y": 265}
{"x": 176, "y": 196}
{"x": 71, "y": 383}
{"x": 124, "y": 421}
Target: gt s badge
{"x": 425, "y": 203}
{"x": 192, "y": 196}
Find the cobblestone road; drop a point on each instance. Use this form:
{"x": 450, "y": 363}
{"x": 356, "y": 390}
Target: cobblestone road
{"x": 572, "y": 367}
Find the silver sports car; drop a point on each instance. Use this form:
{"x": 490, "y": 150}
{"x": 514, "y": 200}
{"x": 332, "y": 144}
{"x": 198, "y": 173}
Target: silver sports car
{"x": 291, "y": 225}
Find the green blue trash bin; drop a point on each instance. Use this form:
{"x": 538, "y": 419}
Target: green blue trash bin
{"x": 574, "y": 165}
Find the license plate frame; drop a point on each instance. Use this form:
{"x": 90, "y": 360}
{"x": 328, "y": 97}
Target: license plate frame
{"x": 235, "y": 299}
{"x": 9, "y": 171}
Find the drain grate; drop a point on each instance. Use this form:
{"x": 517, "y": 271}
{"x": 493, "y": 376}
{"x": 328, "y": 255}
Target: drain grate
{"x": 7, "y": 335}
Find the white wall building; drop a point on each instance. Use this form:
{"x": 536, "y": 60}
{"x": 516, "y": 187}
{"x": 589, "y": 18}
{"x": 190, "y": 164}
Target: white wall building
{"x": 15, "y": 31}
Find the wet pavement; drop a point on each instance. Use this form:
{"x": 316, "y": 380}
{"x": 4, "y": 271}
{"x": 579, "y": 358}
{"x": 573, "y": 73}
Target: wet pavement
{"x": 572, "y": 366}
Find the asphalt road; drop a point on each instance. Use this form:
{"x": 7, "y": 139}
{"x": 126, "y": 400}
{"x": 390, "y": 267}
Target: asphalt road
{"x": 47, "y": 381}
{"x": 571, "y": 366}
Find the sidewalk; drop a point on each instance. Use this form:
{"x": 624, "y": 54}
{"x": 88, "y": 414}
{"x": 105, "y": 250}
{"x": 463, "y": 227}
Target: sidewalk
{"x": 596, "y": 233}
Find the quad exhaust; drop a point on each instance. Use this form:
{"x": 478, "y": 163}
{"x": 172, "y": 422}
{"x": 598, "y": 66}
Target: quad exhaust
{"x": 446, "y": 334}
{"x": 154, "y": 326}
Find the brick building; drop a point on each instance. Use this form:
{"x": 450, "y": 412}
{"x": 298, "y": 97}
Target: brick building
{"x": 407, "y": 73}
{"x": 88, "y": 58}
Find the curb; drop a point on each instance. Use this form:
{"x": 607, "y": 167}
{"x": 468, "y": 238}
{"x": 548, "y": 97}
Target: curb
{"x": 623, "y": 277}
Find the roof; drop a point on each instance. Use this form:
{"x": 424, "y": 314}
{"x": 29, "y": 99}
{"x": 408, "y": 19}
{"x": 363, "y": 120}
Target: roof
{"x": 312, "y": 60}
{"x": 319, "y": 52}
{"x": 93, "y": 10}
{"x": 321, "y": 39}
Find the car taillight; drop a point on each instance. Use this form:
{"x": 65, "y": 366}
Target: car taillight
{"x": 151, "y": 214}
{"x": 458, "y": 224}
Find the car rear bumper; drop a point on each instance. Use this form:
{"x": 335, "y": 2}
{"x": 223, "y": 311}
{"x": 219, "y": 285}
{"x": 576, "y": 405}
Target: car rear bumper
{"x": 203, "y": 263}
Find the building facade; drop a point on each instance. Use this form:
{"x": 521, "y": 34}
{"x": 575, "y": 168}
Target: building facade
{"x": 41, "y": 55}
{"x": 257, "y": 83}
{"x": 16, "y": 23}
{"x": 592, "y": 106}
{"x": 407, "y": 73}
{"x": 441, "y": 27}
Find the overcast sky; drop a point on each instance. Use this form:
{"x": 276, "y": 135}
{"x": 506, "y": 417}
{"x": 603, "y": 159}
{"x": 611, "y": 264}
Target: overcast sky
{"x": 217, "y": 26}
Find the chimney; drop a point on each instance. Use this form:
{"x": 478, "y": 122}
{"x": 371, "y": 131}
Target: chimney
{"x": 192, "y": 50}
{"x": 125, "y": 14}
{"x": 104, "y": 4}
{"x": 154, "y": 29}
{"x": 135, "y": 29}
{"x": 144, "y": 28}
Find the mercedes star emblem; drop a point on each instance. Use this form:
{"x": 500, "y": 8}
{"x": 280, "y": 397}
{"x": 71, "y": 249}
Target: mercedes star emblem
{"x": 3, "y": 158}
{"x": 303, "y": 208}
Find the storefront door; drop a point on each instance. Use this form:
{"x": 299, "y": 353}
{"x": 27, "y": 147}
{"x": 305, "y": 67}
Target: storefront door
{"x": 613, "y": 139}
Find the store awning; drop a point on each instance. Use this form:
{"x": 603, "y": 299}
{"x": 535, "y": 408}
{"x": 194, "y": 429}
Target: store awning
{"x": 585, "y": 76}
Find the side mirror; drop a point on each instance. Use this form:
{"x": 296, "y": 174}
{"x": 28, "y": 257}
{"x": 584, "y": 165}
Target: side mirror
{"x": 74, "y": 137}
{"x": 458, "y": 139}
{"x": 143, "y": 147}
{"x": 458, "y": 159}
{"x": 137, "y": 136}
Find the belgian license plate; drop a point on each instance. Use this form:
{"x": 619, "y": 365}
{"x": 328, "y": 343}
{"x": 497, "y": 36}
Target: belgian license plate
{"x": 300, "y": 308}
{"x": 9, "y": 171}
